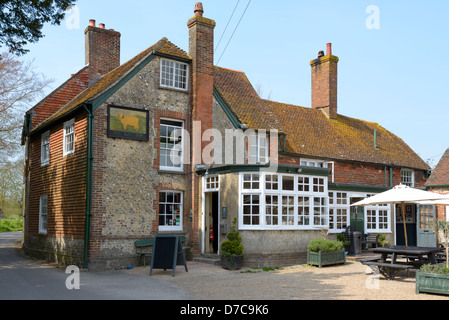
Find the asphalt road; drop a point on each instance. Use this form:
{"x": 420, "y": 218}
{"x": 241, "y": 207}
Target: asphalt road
{"x": 22, "y": 278}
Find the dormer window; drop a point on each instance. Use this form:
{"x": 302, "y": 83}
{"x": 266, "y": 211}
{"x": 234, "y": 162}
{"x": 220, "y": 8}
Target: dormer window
{"x": 174, "y": 74}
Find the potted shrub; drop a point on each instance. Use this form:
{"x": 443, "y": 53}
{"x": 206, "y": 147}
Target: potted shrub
{"x": 435, "y": 278}
{"x": 322, "y": 252}
{"x": 232, "y": 250}
{"x": 346, "y": 243}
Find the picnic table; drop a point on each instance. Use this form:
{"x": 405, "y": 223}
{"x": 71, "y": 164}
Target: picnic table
{"x": 389, "y": 265}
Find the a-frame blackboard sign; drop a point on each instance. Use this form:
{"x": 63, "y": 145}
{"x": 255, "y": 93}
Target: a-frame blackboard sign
{"x": 167, "y": 253}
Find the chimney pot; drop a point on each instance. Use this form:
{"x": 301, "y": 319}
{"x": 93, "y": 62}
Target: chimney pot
{"x": 329, "y": 49}
{"x": 320, "y": 54}
{"x": 92, "y": 22}
{"x": 199, "y": 9}
{"x": 102, "y": 25}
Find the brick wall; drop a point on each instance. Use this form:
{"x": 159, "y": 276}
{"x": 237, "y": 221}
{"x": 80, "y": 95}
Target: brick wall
{"x": 64, "y": 181}
{"x": 127, "y": 178}
{"x": 324, "y": 83}
{"x": 102, "y": 50}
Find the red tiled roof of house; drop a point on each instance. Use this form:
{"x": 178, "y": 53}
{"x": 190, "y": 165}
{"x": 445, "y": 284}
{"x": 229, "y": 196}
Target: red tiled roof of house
{"x": 440, "y": 176}
{"x": 310, "y": 132}
{"x": 105, "y": 82}
{"x": 62, "y": 95}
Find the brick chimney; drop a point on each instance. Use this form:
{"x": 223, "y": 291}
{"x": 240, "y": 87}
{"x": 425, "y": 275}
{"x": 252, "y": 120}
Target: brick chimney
{"x": 201, "y": 49}
{"x": 102, "y": 49}
{"x": 324, "y": 82}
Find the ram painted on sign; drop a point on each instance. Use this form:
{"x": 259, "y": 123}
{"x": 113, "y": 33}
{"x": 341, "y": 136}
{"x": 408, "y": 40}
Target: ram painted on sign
{"x": 127, "y": 123}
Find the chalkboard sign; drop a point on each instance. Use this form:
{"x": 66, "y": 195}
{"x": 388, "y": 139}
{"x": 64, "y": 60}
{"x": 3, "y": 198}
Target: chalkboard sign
{"x": 167, "y": 253}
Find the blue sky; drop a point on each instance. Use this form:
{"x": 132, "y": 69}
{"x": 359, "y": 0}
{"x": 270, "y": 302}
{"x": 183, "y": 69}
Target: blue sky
{"x": 395, "y": 74}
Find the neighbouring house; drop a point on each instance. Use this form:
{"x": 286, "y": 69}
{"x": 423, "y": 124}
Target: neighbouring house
{"x": 438, "y": 182}
{"x": 168, "y": 143}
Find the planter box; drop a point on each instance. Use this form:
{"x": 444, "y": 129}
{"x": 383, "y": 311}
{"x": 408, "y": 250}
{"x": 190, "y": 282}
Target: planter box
{"x": 326, "y": 258}
{"x": 432, "y": 283}
{"x": 232, "y": 263}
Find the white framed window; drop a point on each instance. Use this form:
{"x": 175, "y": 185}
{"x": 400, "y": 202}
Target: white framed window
{"x": 338, "y": 211}
{"x": 171, "y": 145}
{"x": 282, "y": 201}
{"x": 251, "y": 209}
{"x": 69, "y": 137}
{"x": 314, "y": 163}
{"x": 251, "y": 181}
{"x": 170, "y": 210}
{"x": 211, "y": 183}
{"x": 271, "y": 181}
{"x": 271, "y": 210}
{"x": 408, "y": 177}
{"x": 43, "y": 213}
{"x": 45, "y": 148}
{"x": 258, "y": 150}
{"x": 377, "y": 218}
{"x": 319, "y": 164}
{"x": 174, "y": 74}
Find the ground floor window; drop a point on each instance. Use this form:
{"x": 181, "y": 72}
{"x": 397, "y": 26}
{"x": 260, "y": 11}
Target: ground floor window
{"x": 338, "y": 211}
{"x": 170, "y": 210}
{"x": 43, "y": 213}
{"x": 283, "y": 201}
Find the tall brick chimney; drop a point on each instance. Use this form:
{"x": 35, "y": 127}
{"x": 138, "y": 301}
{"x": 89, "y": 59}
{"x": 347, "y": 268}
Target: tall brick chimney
{"x": 201, "y": 49}
{"x": 102, "y": 49}
{"x": 324, "y": 82}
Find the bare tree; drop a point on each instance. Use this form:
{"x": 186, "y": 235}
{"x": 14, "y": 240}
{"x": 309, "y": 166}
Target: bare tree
{"x": 20, "y": 87}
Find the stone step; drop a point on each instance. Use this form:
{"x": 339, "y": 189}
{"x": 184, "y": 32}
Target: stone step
{"x": 209, "y": 259}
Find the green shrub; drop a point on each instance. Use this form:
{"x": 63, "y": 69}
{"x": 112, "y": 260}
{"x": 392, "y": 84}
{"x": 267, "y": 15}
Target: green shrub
{"x": 324, "y": 245}
{"x": 233, "y": 246}
{"x": 7, "y": 225}
{"x": 432, "y": 268}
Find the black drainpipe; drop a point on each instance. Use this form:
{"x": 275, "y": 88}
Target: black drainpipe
{"x": 89, "y": 169}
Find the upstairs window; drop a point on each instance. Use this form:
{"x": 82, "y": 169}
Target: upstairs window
{"x": 258, "y": 152}
{"x": 171, "y": 150}
{"x": 408, "y": 177}
{"x": 174, "y": 74}
{"x": 69, "y": 137}
{"x": 45, "y": 148}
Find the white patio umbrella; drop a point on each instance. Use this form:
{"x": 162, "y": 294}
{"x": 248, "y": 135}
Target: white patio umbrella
{"x": 401, "y": 194}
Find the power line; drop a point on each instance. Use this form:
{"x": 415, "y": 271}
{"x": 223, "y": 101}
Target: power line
{"x": 234, "y": 32}
{"x": 227, "y": 25}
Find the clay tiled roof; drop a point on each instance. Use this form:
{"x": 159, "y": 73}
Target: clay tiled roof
{"x": 440, "y": 176}
{"x": 163, "y": 46}
{"x": 310, "y": 132}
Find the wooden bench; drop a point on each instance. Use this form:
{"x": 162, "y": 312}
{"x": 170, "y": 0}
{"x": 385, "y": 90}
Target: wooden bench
{"x": 372, "y": 239}
{"x": 388, "y": 270}
{"x": 144, "y": 247}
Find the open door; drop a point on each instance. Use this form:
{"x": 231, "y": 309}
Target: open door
{"x": 211, "y": 223}
{"x": 426, "y": 221}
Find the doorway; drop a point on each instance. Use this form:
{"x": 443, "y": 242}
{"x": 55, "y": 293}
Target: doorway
{"x": 410, "y": 225}
{"x": 425, "y": 225}
{"x": 357, "y": 216}
{"x": 211, "y": 222}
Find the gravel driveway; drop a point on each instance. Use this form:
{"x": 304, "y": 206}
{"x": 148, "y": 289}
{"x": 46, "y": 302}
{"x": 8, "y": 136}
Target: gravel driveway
{"x": 351, "y": 281}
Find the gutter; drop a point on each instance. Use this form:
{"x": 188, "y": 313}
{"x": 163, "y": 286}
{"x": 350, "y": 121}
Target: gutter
{"x": 89, "y": 170}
